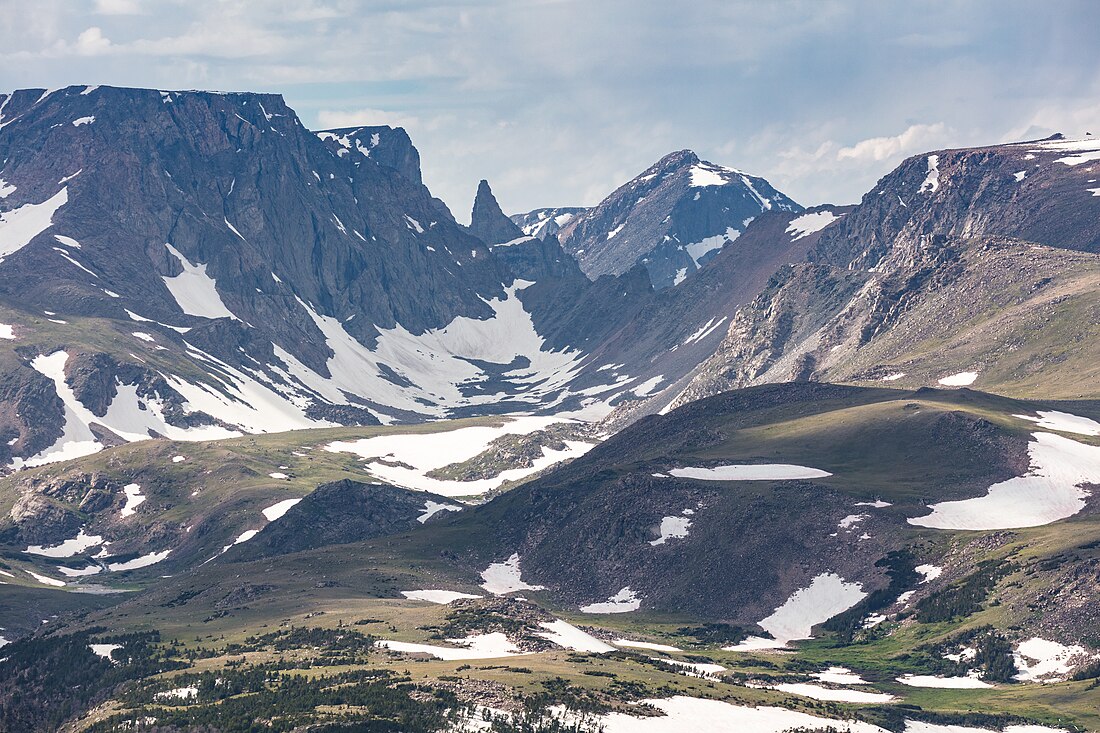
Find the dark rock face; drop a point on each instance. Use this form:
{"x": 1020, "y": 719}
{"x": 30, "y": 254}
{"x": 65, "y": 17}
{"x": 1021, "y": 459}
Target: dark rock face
{"x": 236, "y": 183}
{"x": 389, "y": 147}
{"x": 672, "y": 218}
{"x": 1034, "y": 191}
{"x": 530, "y": 258}
{"x": 339, "y": 513}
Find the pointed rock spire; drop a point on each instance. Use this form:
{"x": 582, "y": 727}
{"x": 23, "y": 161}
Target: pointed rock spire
{"x": 487, "y": 222}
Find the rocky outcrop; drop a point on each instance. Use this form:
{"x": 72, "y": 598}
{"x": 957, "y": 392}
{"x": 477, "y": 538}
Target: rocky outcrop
{"x": 487, "y": 222}
{"x": 389, "y": 147}
{"x": 338, "y": 513}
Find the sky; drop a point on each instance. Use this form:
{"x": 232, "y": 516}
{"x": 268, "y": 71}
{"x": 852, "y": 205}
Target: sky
{"x": 558, "y": 102}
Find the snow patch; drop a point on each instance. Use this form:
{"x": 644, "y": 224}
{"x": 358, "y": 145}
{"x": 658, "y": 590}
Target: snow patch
{"x": 568, "y": 636}
{"x": 827, "y": 595}
{"x": 431, "y": 508}
{"x": 279, "y": 508}
{"x": 1063, "y": 422}
{"x": 104, "y": 650}
{"x": 930, "y": 572}
{"x": 19, "y": 226}
{"x": 195, "y": 292}
{"x": 750, "y": 472}
{"x": 962, "y": 379}
{"x": 646, "y": 388}
{"x": 831, "y": 694}
{"x": 672, "y": 528}
{"x": 505, "y": 577}
{"x": 68, "y": 548}
{"x": 441, "y": 597}
{"x": 1049, "y": 491}
{"x": 425, "y": 452}
{"x": 704, "y": 175}
{"x": 46, "y": 580}
{"x": 482, "y": 646}
{"x": 807, "y": 224}
{"x": 932, "y": 180}
{"x": 1040, "y": 660}
{"x": 840, "y": 676}
{"x": 144, "y": 561}
{"x": 851, "y": 520}
{"x": 947, "y": 683}
{"x": 696, "y": 250}
{"x": 439, "y": 363}
{"x": 134, "y": 498}
{"x": 700, "y": 714}
{"x": 704, "y": 330}
{"x": 79, "y": 572}
{"x": 624, "y": 601}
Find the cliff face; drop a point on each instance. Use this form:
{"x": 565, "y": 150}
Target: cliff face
{"x": 958, "y": 261}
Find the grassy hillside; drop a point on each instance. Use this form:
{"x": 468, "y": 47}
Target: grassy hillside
{"x": 585, "y": 530}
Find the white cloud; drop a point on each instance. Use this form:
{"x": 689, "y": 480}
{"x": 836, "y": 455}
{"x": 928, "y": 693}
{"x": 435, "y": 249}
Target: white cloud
{"x": 915, "y": 139}
{"x": 91, "y": 42}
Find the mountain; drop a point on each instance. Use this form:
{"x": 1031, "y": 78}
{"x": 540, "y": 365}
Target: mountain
{"x": 544, "y": 222}
{"x": 979, "y": 262}
{"x": 196, "y": 265}
{"x": 670, "y": 218}
{"x": 764, "y": 490}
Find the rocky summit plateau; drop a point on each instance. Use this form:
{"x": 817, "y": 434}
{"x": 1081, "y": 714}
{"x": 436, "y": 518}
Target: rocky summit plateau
{"x": 285, "y": 445}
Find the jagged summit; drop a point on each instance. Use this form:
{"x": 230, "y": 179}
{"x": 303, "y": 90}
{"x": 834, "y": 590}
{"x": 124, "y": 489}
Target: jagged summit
{"x": 384, "y": 145}
{"x": 671, "y": 218}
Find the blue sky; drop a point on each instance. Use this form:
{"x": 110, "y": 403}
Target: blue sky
{"x": 557, "y": 102}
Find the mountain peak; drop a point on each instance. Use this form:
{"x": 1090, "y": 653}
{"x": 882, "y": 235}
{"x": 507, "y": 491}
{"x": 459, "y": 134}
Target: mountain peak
{"x": 487, "y": 221}
{"x": 677, "y": 158}
{"x": 671, "y": 218}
